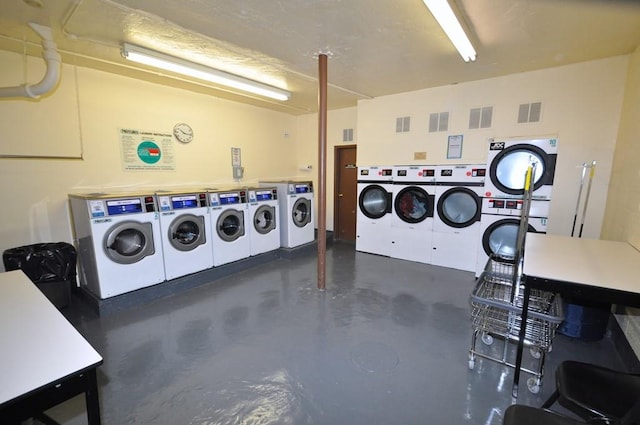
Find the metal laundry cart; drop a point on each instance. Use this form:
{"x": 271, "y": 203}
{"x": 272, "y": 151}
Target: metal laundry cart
{"x": 496, "y": 306}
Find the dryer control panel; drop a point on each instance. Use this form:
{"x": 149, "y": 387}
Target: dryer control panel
{"x": 182, "y": 201}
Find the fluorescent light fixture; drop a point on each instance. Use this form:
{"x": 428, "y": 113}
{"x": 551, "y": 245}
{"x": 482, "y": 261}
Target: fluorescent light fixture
{"x": 201, "y": 72}
{"x": 441, "y": 10}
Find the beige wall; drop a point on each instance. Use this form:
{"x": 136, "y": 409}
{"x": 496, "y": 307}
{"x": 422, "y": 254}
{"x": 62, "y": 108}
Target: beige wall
{"x": 95, "y": 105}
{"x": 581, "y": 106}
{"x": 622, "y": 218}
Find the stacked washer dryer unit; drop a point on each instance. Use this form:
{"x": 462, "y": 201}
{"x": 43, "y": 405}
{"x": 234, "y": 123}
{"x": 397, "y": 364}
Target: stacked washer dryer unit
{"x": 295, "y": 200}
{"x": 507, "y": 163}
{"x": 118, "y": 241}
{"x": 373, "y": 217}
{"x": 413, "y": 208}
{"x": 456, "y": 222}
{"x": 186, "y": 232}
{"x": 228, "y": 211}
{"x": 264, "y": 211}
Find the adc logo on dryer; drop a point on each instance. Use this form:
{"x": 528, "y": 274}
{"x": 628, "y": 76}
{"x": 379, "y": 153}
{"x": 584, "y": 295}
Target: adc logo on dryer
{"x": 496, "y": 146}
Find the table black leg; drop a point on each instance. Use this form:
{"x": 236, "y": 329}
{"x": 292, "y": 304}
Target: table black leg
{"x": 521, "y": 337}
{"x": 91, "y": 397}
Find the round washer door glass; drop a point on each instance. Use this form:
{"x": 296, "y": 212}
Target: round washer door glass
{"x": 301, "y": 212}
{"x": 509, "y": 167}
{"x": 413, "y": 204}
{"x": 230, "y": 225}
{"x": 459, "y": 207}
{"x": 129, "y": 242}
{"x": 501, "y": 237}
{"x": 186, "y": 232}
{"x": 264, "y": 219}
{"x": 374, "y": 201}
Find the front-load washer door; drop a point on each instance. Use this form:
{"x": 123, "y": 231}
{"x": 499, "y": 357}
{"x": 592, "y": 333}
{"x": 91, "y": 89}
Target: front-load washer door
{"x": 459, "y": 207}
{"x": 230, "y": 225}
{"x": 507, "y": 170}
{"x": 264, "y": 219}
{"x": 413, "y": 204}
{"x": 501, "y": 237}
{"x": 129, "y": 242}
{"x": 187, "y": 232}
{"x": 374, "y": 201}
{"x": 301, "y": 212}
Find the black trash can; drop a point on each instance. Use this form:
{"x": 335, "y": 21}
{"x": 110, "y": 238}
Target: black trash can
{"x": 51, "y": 266}
{"x": 585, "y": 319}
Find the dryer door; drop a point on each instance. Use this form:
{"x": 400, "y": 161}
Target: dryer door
{"x": 230, "y": 225}
{"x": 129, "y": 242}
{"x": 301, "y": 212}
{"x": 264, "y": 219}
{"x": 187, "y": 232}
{"x": 374, "y": 201}
{"x": 459, "y": 207}
{"x": 508, "y": 168}
{"x": 413, "y": 204}
{"x": 500, "y": 238}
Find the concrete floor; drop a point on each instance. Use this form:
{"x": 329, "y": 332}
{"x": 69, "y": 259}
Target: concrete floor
{"x": 386, "y": 343}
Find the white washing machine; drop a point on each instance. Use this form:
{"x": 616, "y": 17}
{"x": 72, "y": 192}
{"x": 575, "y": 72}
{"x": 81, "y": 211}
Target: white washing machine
{"x": 413, "y": 207}
{"x": 264, "y": 211}
{"x": 228, "y": 211}
{"x": 295, "y": 200}
{"x": 507, "y": 164}
{"x": 373, "y": 218}
{"x": 456, "y": 222}
{"x": 118, "y": 242}
{"x": 499, "y": 226}
{"x": 186, "y": 232}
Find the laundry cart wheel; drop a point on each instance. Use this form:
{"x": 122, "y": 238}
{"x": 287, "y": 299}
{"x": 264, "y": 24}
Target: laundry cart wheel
{"x": 472, "y": 361}
{"x": 487, "y": 338}
{"x": 533, "y": 384}
{"x": 536, "y": 353}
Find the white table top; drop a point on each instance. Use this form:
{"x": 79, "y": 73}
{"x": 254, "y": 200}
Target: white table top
{"x": 605, "y": 264}
{"x": 37, "y": 344}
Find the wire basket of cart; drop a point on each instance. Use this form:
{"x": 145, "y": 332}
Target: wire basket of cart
{"x": 496, "y": 308}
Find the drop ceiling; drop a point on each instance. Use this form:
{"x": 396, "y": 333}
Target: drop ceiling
{"x": 375, "y": 47}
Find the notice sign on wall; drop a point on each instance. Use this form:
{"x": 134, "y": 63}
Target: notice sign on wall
{"x": 146, "y": 150}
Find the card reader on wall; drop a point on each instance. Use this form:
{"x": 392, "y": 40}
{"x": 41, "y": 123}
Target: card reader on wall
{"x": 238, "y": 172}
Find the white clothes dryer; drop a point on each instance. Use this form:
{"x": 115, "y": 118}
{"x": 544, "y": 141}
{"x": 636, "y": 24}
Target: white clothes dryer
{"x": 186, "y": 230}
{"x": 295, "y": 200}
{"x": 499, "y": 234}
{"x": 456, "y": 222}
{"x": 118, "y": 242}
{"x": 507, "y": 163}
{"x": 229, "y": 215}
{"x": 413, "y": 207}
{"x": 373, "y": 217}
{"x": 264, "y": 211}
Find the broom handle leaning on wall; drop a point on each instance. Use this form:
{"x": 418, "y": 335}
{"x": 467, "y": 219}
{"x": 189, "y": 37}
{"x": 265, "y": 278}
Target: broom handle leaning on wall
{"x": 586, "y": 198}
{"x": 575, "y": 215}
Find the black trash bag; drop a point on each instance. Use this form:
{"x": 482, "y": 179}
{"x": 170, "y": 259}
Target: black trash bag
{"x": 43, "y": 262}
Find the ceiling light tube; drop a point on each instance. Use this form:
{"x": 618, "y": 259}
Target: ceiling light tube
{"x": 441, "y": 10}
{"x": 201, "y": 72}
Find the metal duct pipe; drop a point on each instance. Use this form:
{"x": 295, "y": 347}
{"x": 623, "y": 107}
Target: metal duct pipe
{"x": 52, "y": 75}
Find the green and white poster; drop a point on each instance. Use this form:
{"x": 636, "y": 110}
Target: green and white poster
{"x": 146, "y": 150}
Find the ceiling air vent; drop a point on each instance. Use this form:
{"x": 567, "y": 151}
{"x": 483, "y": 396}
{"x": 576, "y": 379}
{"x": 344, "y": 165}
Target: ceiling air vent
{"x": 403, "y": 124}
{"x": 347, "y": 135}
{"x": 529, "y": 112}
{"x": 480, "y": 117}
{"x": 438, "y": 121}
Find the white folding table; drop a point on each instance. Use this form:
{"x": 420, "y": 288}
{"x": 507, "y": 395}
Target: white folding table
{"x": 607, "y": 271}
{"x": 43, "y": 359}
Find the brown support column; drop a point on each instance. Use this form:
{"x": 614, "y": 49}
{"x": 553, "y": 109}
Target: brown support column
{"x": 322, "y": 170}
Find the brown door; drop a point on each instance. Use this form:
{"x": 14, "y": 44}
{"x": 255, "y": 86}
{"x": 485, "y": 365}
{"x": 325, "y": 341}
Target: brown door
{"x": 346, "y": 196}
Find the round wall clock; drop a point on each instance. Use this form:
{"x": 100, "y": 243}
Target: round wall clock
{"x": 183, "y": 132}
